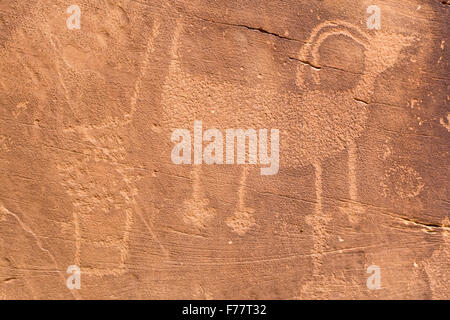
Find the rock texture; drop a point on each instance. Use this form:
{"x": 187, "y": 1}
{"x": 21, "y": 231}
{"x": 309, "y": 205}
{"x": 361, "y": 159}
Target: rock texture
{"x": 85, "y": 149}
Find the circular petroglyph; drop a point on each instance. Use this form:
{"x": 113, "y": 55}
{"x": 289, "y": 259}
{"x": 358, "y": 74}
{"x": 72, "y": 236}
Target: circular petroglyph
{"x": 402, "y": 181}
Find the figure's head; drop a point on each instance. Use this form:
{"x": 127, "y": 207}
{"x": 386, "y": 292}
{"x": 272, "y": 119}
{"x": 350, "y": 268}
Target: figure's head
{"x": 379, "y": 51}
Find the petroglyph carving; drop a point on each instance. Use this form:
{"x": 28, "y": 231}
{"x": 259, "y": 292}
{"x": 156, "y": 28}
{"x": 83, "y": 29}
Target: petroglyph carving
{"x": 85, "y": 151}
{"x": 437, "y": 266}
{"x": 196, "y": 211}
{"x": 338, "y": 117}
{"x": 5, "y": 143}
{"x": 402, "y": 181}
{"x": 4, "y": 212}
{"x": 445, "y": 125}
{"x": 330, "y": 121}
{"x": 242, "y": 220}
{"x": 102, "y": 186}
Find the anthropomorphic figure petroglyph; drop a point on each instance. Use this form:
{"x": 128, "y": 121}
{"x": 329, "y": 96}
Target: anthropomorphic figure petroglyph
{"x": 314, "y": 124}
{"x": 335, "y": 119}
{"x": 102, "y": 186}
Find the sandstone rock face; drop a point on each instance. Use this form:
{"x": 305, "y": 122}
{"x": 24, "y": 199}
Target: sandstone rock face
{"x": 88, "y": 179}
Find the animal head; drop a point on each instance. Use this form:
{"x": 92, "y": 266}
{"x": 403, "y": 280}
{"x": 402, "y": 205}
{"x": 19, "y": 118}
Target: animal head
{"x": 381, "y": 52}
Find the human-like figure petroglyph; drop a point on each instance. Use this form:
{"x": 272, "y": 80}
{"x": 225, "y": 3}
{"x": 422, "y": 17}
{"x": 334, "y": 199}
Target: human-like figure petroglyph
{"x": 339, "y": 118}
{"x": 102, "y": 186}
{"x": 314, "y": 124}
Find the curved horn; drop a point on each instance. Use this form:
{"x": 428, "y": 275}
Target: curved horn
{"x": 310, "y": 51}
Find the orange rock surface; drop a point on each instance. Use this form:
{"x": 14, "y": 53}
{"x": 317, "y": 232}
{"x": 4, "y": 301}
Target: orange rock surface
{"x": 87, "y": 177}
